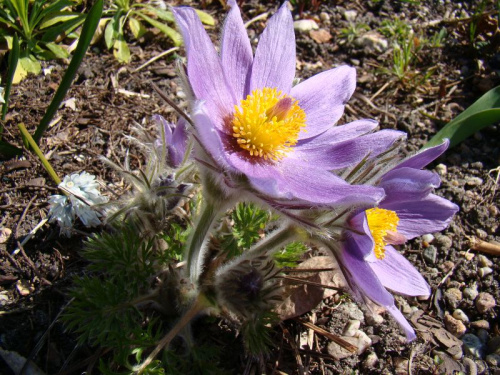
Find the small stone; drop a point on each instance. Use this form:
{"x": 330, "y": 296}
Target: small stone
{"x": 444, "y": 242}
{"x": 181, "y": 95}
{"x": 24, "y": 288}
{"x": 484, "y": 324}
{"x": 324, "y": 17}
{"x": 471, "y": 292}
{"x": 473, "y": 345}
{"x": 481, "y": 234}
{"x": 428, "y": 238}
{"x": 453, "y": 296}
{"x": 350, "y": 15}
{"x": 430, "y": 254}
{"x": 493, "y": 210}
{"x": 400, "y": 366}
{"x": 484, "y": 271}
{"x": 493, "y": 359}
{"x": 370, "y": 360}
{"x": 304, "y": 26}
{"x": 447, "y": 266}
{"x": 372, "y": 40}
{"x": 460, "y": 315}
{"x": 474, "y": 181}
{"x": 5, "y": 234}
{"x": 4, "y": 298}
{"x": 467, "y": 255}
{"x": 441, "y": 169}
{"x": 361, "y": 341}
{"x": 353, "y": 311}
{"x": 484, "y": 261}
{"x": 351, "y": 328}
{"x": 481, "y": 366}
{"x": 320, "y": 36}
{"x": 454, "y": 326}
{"x": 485, "y": 302}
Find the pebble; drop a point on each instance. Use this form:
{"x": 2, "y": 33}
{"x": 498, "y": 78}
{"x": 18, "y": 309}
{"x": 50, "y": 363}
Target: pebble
{"x": 372, "y": 40}
{"x": 484, "y": 324}
{"x": 351, "y": 328}
{"x": 447, "y": 266}
{"x": 453, "y": 296}
{"x": 353, "y": 311}
{"x": 324, "y": 17}
{"x": 428, "y": 238}
{"x": 474, "y": 181}
{"x": 484, "y": 261}
{"x": 430, "y": 254}
{"x": 4, "y": 298}
{"x": 370, "y": 360}
{"x": 454, "y": 326}
{"x": 441, "y": 169}
{"x": 350, "y": 15}
{"x": 473, "y": 345}
{"x": 493, "y": 210}
{"x": 485, "y": 302}
{"x": 483, "y": 335}
{"x": 484, "y": 271}
{"x": 471, "y": 292}
{"x": 493, "y": 359}
{"x": 444, "y": 242}
{"x": 401, "y": 366}
{"x": 460, "y": 315}
{"x": 304, "y": 26}
{"x": 24, "y": 288}
{"x": 361, "y": 341}
{"x": 481, "y": 234}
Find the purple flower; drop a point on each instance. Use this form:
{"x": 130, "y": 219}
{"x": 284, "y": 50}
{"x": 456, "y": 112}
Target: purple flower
{"x": 408, "y": 210}
{"x": 260, "y": 134}
{"x": 175, "y": 139}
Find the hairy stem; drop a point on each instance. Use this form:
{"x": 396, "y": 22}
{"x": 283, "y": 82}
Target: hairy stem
{"x": 199, "y": 305}
{"x": 276, "y": 240}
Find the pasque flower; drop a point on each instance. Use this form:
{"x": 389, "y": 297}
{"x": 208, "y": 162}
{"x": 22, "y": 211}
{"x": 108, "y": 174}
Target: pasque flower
{"x": 409, "y": 209}
{"x": 258, "y": 133}
{"x": 174, "y": 139}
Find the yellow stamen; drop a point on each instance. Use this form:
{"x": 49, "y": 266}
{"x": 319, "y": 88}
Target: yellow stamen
{"x": 381, "y": 222}
{"x": 267, "y": 123}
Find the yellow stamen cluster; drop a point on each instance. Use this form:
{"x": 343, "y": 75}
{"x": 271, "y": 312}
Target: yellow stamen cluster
{"x": 267, "y": 123}
{"x": 380, "y": 222}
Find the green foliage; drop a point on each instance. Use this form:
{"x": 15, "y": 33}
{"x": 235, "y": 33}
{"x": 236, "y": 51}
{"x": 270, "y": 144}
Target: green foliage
{"x": 133, "y": 14}
{"x": 395, "y": 29}
{"x": 248, "y": 221}
{"x": 40, "y": 25}
{"x": 175, "y": 237}
{"x": 200, "y": 359}
{"x": 290, "y": 255}
{"x": 256, "y": 333}
{"x": 350, "y": 33}
{"x": 485, "y": 111}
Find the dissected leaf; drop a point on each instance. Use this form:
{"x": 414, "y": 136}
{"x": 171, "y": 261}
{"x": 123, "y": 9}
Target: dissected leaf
{"x": 485, "y": 111}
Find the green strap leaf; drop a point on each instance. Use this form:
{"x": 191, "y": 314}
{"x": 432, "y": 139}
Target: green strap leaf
{"x": 484, "y": 112}
{"x": 168, "y": 31}
{"x": 88, "y": 30}
{"x": 205, "y": 18}
{"x": 13, "y": 59}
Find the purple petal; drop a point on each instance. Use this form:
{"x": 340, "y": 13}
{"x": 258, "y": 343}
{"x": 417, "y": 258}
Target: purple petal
{"x": 204, "y": 67}
{"x": 177, "y": 148}
{"x": 323, "y": 98}
{"x": 339, "y": 134}
{"x": 403, "y": 323}
{"x": 395, "y": 272}
{"x": 347, "y": 153}
{"x": 314, "y": 185}
{"x": 361, "y": 277}
{"x": 408, "y": 184}
{"x": 419, "y": 217}
{"x": 423, "y": 158}
{"x": 208, "y": 136}
{"x": 236, "y": 52}
{"x": 274, "y": 63}
{"x": 363, "y": 280}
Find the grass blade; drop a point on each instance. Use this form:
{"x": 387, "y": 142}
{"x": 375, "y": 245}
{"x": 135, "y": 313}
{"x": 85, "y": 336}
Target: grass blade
{"x": 13, "y": 60}
{"x": 484, "y": 112}
{"x": 88, "y": 30}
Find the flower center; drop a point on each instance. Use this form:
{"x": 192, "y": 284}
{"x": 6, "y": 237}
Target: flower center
{"x": 382, "y": 223}
{"x": 267, "y": 123}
